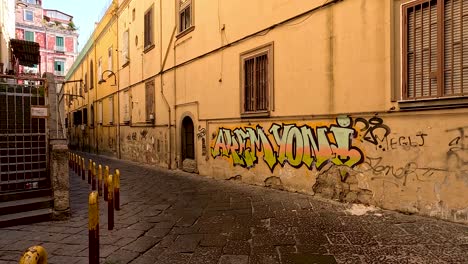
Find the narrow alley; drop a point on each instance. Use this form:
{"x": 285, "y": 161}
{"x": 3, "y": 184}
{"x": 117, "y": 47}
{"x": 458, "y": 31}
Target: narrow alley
{"x": 176, "y": 217}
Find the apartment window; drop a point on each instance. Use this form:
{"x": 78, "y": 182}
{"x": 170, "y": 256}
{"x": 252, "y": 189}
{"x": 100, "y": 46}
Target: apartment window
{"x": 125, "y": 44}
{"x": 28, "y": 15}
{"x": 91, "y": 75}
{"x": 185, "y": 15}
{"x": 99, "y": 112}
{"x": 59, "y": 44}
{"x": 91, "y": 123}
{"x": 29, "y": 36}
{"x": 148, "y": 28}
{"x": 85, "y": 116}
{"x": 435, "y": 55}
{"x": 99, "y": 69}
{"x": 111, "y": 110}
{"x": 59, "y": 68}
{"x": 85, "y": 81}
{"x": 149, "y": 95}
{"x": 126, "y": 107}
{"x": 109, "y": 59}
{"x": 257, "y": 80}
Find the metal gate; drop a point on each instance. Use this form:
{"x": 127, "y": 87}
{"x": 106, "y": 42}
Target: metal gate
{"x": 23, "y": 135}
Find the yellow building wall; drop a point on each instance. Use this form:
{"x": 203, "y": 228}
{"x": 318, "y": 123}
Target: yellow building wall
{"x": 336, "y": 83}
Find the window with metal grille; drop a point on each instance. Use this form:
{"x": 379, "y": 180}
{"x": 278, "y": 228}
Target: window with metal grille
{"x": 149, "y": 95}
{"x": 185, "y": 15}
{"x": 148, "y": 28}
{"x": 435, "y": 49}
{"x": 256, "y": 80}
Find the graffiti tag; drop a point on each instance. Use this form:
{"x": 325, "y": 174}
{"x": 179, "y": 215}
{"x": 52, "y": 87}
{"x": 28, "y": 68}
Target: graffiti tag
{"x": 290, "y": 144}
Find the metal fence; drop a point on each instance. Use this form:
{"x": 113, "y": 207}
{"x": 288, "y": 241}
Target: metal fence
{"x": 23, "y": 135}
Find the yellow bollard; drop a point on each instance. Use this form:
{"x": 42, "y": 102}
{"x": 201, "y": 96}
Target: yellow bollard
{"x": 90, "y": 167}
{"x": 99, "y": 180}
{"x": 93, "y": 177}
{"x": 83, "y": 169}
{"x": 93, "y": 227}
{"x": 74, "y": 163}
{"x": 117, "y": 190}
{"x": 105, "y": 177}
{"x": 34, "y": 255}
{"x": 110, "y": 203}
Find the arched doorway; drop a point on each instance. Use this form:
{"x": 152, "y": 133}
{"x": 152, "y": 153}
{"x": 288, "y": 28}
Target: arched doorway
{"x": 188, "y": 139}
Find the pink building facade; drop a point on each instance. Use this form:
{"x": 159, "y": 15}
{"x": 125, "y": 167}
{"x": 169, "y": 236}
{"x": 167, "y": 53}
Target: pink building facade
{"x": 54, "y": 31}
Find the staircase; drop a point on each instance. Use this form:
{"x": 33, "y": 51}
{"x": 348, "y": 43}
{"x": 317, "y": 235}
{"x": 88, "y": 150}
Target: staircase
{"x": 25, "y": 207}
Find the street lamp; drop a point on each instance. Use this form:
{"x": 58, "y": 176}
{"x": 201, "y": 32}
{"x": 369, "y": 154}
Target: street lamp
{"x": 102, "y": 80}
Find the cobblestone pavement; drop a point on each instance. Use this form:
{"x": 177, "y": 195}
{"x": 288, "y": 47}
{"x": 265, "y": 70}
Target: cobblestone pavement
{"x": 176, "y": 217}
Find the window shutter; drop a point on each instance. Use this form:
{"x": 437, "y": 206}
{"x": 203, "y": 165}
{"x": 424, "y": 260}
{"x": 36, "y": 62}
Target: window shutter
{"x": 261, "y": 82}
{"x": 149, "y": 100}
{"x": 99, "y": 110}
{"x": 455, "y": 29}
{"x": 249, "y": 66}
{"x": 126, "y": 108}
{"x": 125, "y": 47}
{"x": 422, "y": 50}
{"x": 111, "y": 109}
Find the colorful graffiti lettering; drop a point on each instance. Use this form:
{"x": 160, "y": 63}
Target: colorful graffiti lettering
{"x": 290, "y": 144}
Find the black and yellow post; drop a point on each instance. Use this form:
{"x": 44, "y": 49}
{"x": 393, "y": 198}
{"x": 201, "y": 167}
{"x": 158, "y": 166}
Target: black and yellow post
{"x": 83, "y": 169}
{"x": 80, "y": 166}
{"x": 117, "y": 190}
{"x": 93, "y": 177}
{"x": 93, "y": 227}
{"x": 105, "y": 178}
{"x": 90, "y": 167}
{"x": 99, "y": 180}
{"x": 34, "y": 255}
{"x": 74, "y": 162}
{"x": 110, "y": 203}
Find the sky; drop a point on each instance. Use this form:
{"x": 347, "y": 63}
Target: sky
{"x": 85, "y": 13}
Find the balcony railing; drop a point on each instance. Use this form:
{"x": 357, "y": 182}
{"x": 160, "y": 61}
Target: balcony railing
{"x": 59, "y": 73}
{"x": 59, "y": 48}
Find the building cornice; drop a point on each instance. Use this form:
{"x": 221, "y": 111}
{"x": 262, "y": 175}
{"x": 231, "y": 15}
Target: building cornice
{"x": 46, "y": 29}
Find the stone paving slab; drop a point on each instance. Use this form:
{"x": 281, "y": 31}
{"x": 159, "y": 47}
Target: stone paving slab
{"x": 176, "y": 217}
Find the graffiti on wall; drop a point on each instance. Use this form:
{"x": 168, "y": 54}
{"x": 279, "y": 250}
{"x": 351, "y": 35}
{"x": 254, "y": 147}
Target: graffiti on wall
{"x": 457, "y": 155}
{"x": 201, "y": 135}
{"x": 290, "y": 144}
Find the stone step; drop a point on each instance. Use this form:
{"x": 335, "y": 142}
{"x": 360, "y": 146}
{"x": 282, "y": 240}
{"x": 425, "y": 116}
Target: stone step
{"x": 20, "y": 195}
{"x": 17, "y": 206}
{"x": 27, "y": 217}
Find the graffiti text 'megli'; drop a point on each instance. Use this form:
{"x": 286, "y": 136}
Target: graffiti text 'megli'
{"x": 289, "y": 143}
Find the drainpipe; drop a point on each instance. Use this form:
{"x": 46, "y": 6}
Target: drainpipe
{"x": 96, "y": 131}
{"x": 119, "y": 154}
{"x": 162, "y": 63}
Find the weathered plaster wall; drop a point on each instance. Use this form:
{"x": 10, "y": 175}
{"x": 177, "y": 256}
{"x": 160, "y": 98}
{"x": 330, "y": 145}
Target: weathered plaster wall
{"x": 145, "y": 144}
{"x": 405, "y": 162}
